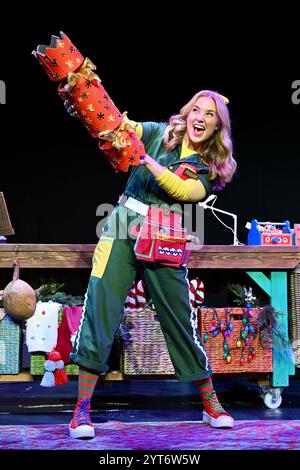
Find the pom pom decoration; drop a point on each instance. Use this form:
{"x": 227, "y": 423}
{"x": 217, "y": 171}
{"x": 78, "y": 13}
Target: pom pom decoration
{"x": 48, "y": 378}
{"x": 60, "y": 374}
{"x": 54, "y": 370}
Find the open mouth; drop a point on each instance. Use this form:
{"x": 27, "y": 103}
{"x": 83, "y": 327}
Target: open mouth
{"x": 198, "y": 129}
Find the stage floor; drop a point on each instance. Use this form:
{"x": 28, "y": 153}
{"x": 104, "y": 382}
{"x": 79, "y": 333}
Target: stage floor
{"x": 141, "y": 401}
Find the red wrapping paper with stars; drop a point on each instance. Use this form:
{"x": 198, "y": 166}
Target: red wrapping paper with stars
{"x": 82, "y": 87}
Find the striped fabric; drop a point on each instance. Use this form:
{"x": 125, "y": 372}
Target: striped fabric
{"x": 87, "y": 381}
{"x": 205, "y": 387}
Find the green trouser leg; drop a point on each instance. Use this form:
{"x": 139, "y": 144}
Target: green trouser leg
{"x": 169, "y": 289}
{"x": 111, "y": 279}
{"x": 103, "y": 308}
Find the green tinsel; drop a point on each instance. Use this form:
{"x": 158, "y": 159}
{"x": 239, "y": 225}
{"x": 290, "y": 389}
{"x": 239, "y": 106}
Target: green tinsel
{"x": 53, "y": 292}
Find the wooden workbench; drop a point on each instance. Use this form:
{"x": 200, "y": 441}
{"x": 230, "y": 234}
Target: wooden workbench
{"x": 252, "y": 259}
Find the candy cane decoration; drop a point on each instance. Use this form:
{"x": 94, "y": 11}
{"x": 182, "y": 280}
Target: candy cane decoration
{"x": 192, "y": 292}
{"x": 196, "y": 293}
{"x": 131, "y": 297}
{"x": 199, "y": 296}
{"x": 140, "y": 295}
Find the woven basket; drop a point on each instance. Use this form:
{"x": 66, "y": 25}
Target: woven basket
{"x": 10, "y": 345}
{"x": 143, "y": 350}
{"x": 260, "y": 362}
{"x": 37, "y": 365}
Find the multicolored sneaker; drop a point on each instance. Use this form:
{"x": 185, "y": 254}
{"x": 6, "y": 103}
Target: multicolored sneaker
{"x": 214, "y": 414}
{"x": 81, "y": 425}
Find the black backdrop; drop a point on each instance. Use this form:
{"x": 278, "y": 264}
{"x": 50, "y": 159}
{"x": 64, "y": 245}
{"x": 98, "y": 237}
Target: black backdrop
{"x": 53, "y": 175}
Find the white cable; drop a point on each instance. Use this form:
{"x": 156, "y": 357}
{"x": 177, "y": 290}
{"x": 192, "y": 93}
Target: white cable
{"x": 223, "y": 223}
{"x": 212, "y": 196}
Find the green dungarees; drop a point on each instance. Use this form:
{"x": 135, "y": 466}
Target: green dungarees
{"x": 114, "y": 270}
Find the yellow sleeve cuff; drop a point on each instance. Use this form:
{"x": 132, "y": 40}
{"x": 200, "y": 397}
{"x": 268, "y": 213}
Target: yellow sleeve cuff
{"x": 139, "y": 130}
{"x": 183, "y": 190}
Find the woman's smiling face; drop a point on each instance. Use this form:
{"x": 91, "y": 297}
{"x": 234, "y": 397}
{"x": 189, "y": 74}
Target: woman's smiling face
{"x": 202, "y": 121}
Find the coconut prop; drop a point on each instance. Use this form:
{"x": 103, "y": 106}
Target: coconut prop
{"x": 82, "y": 87}
{"x": 19, "y": 299}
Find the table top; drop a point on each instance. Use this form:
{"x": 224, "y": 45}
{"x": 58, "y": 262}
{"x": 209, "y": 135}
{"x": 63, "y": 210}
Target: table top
{"x": 202, "y": 256}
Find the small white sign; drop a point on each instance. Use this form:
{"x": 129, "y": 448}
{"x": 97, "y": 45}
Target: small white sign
{"x": 136, "y": 206}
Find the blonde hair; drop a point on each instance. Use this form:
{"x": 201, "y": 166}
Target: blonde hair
{"x": 217, "y": 149}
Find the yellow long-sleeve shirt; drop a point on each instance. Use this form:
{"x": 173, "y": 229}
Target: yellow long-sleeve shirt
{"x": 189, "y": 190}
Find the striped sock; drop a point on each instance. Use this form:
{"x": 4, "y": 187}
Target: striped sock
{"x": 209, "y": 398}
{"x": 205, "y": 387}
{"x": 87, "y": 381}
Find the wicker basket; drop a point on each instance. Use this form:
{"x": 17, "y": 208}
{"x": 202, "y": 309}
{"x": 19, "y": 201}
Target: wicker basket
{"x": 209, "y": 318}
{"x": 10, "y": 345}
{"x": 143, "y": 350}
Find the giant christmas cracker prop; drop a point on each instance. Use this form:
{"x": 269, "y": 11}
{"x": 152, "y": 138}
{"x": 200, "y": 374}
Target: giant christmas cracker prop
{"x": 82, "y": 87}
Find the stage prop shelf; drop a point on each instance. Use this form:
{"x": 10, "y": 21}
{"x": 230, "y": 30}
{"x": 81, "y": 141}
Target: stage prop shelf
{"x": 277, "y": 261}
